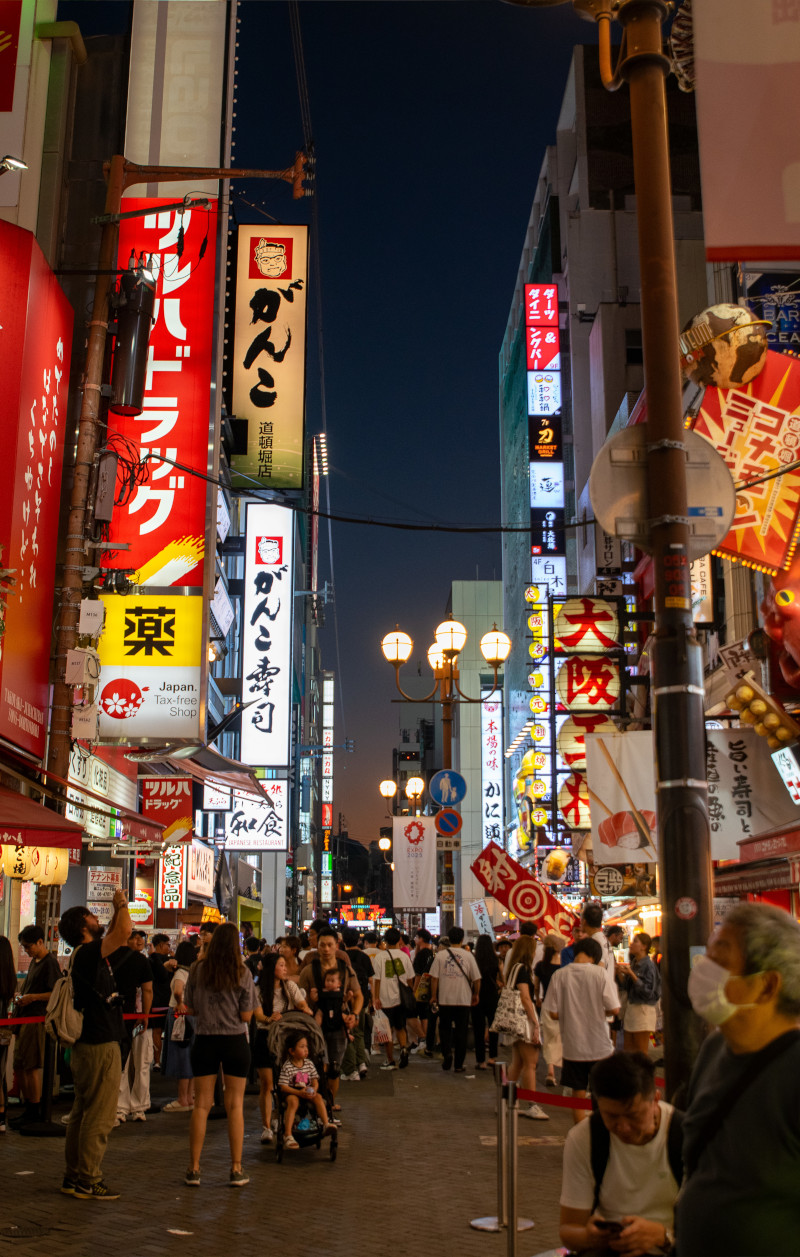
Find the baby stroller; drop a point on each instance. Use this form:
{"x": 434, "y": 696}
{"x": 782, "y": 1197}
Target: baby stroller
{"x": 307, "y": 1128}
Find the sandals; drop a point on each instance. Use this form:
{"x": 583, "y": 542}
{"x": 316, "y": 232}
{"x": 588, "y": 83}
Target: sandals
{"x": 290, "y": 1142}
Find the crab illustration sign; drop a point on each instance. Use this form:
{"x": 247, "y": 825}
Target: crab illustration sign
{"x": 515, "y": 888}
{"x": 414, "y": 851}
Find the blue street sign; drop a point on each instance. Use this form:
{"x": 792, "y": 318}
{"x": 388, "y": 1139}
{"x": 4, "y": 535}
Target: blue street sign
{"x": 447, "y": 787}
{"x": 447, "y": 822}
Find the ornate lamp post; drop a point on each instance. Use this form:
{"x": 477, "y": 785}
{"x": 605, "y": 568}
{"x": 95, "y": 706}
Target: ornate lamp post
{"x": 450, "y": 639}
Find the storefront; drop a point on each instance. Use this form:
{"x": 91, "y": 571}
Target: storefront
{"x": 768, "y": 872}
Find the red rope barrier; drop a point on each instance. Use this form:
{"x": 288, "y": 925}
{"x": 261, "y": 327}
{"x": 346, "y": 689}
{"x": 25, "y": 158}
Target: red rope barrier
{"x": 559, "y": 1102}
{"x": 33, "y": 1021}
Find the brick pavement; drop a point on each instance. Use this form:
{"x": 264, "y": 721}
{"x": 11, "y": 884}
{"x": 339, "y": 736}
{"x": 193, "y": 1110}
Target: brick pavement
{"x": 416, "y": 1162}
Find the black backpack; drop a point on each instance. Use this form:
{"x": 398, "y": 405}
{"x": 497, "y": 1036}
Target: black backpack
{"x": 600, "y": 1138}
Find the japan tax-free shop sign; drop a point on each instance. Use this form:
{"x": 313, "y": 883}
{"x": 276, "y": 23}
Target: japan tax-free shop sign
{"x": 267, "y": 636}
{"x": 269, "y": 354}
{"x": 150, "y": 668}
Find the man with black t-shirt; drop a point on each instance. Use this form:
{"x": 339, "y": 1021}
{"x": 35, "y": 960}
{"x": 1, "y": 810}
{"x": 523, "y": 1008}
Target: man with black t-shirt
{"x": 42, "y": 976}
{"x": 133, "y": 974}
{"x": 159, "y": 956}
{"x": 426, "y": 1017}
{"x": 95, "y": 1059}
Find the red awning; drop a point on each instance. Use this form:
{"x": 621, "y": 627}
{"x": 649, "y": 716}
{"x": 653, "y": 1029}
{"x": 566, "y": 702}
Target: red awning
{"x": 24, "y": 823}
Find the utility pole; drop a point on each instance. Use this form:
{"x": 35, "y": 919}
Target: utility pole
{"x": 121, "y": 174}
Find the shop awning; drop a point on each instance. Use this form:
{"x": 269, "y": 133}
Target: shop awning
{"x": 24, "y": 823}
{"x": 752, "y": 878}
{"x": 206, "y": 766}
{"x": 137, "y": 830}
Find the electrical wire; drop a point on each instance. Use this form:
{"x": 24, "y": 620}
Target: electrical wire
{"x": 135, "y": 470}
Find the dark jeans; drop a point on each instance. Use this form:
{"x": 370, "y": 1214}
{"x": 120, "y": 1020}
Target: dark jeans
{"x": 453, "y": 1024}
{"x": 430, "y": 1030}
{"x": 483, "y": 1016}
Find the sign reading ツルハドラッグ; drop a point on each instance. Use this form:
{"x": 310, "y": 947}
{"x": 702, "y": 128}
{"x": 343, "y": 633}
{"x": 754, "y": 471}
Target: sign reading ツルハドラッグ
{"x": 267, "y": 635}
{"x": 150, "y": 668}
{"x": 269, "y": 354}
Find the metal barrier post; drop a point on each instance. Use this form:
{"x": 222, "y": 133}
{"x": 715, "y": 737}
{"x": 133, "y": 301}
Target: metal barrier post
{"x": 511, "y": 1172}
{"x": 498, "y": 1221}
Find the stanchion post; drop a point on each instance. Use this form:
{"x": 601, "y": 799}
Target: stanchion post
{"x": 511, "y": 1171}
{"x": 45, "y": 1126}
{"x": 497, "y": 1222}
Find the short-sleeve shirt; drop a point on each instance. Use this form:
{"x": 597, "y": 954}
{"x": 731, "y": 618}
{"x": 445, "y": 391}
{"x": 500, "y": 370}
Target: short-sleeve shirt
{"x": 582, "y": 995}
{"x": 41, "y": 976}
{"x": 292, "y": 1075}
{"x": 388, "y": 967}
{"x": 307, "y": 980}
{"x": 457, "y": 969}
{"x": 280, "y": 1002}
{"x": 131, "y": 970}
{"x": 544, "y": 971}
{"x": 638, "y": 1180}
{"x": 217, "y": 1012}
{"x": 93, "y": 983}
{"x": 423, "y": 959}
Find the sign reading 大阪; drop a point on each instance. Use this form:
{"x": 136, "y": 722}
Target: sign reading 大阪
{"x": 267, "y": 635}
{"x": 515, "y": 888}
{"x": 269, "y": 355}
{"x": 164, "y": 522}
{"x": 35, "y": 340}
{"x": 150, "y": 660}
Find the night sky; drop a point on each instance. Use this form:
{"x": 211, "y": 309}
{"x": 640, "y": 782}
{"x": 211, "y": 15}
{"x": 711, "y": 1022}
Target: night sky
{"x": 430, "y": 121}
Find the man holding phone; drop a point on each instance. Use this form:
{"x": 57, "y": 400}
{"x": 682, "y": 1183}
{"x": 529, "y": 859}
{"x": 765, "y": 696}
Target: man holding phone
{"x": 623, "y": 1167}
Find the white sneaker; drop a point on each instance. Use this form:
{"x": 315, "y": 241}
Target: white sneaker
{"x": 538, "y": 1114}
{"x": 389, "y": 1065}
{"x": 267, "y": 1135}
{"x": 374, "y": 1052}
{"x": 138, "y": 1117}
{"x": 354, "y": 1077}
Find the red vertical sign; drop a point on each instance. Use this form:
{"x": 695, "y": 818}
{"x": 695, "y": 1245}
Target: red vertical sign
{"x": 35, "y": 341}
{"x": 164, "y": 522}
{"x": 10, "y": 13}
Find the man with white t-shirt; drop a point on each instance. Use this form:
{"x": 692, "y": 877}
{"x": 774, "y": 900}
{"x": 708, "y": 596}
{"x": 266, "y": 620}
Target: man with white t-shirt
{"x": 391, "y": 967}
{"x": 580, "y": 997}
{"x": 622, "y": 1169}
{"x": 455, "y": 987}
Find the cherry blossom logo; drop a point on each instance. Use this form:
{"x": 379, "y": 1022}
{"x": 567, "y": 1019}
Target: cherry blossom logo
{"x": 121, "y": 699}
{"x": 414, "y": 832}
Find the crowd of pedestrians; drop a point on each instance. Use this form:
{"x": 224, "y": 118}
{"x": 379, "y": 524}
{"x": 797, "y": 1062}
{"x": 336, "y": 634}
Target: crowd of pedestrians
{"x": 640, "y": 1177}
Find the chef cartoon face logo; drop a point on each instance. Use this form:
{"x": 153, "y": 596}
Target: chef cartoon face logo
{"x": 269, "y": 550}
{"x": 271, "y": 258}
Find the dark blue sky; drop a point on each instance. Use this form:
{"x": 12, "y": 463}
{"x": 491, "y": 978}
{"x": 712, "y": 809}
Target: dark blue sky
{"x": 430, "y": 121}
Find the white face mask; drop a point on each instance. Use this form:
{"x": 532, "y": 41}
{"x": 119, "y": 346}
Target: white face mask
{"x": 706, "y": 988}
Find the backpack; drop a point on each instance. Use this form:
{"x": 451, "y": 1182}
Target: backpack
{"x": 600, "y": 1138}
{"x": 62, "y": 1021}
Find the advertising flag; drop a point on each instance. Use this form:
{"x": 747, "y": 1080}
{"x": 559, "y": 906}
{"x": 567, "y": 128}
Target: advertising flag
{"x": 414, "y": 851}
{"x": 516, "y": 889}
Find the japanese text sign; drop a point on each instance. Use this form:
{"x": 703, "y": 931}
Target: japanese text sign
{"x": 172, "y": 871}
{"x": 256, "y": 825}
{"x": 745, "y": 795}
{"x": 515, "y": 888}
{"x": 200, "y": 876}
{"x": 269, "y": 354}
{"x": 267, "y": 635}
{"x": 150, "y": 657}
{"x": 36, "y": 321}
{"x": 414, "y": 853}
{"x": 164, "y": 522}
{"x": 492, "y": 819}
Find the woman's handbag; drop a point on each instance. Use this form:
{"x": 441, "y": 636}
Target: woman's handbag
{"x": 510, "y": 1017}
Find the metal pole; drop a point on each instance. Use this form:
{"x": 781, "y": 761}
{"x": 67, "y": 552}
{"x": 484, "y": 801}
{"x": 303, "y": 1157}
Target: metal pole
{"x": 448, "y": 916}
{"x": 677, "y": 672}
{"x": 511, "y": 1172}
{"x": 497, "y": 1222}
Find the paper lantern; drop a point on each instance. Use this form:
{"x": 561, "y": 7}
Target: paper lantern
{"x": 18, "y": 862}
{"x": 537, "y": 650}
{"x": 538, "y": 704}
{"x": 540, "y": 816}
{"x": 573, "y": 802}
{"x": 588, "y": 683}
{"x": 590, "y": 625}
{"x": 571, "y": 741}
{"x": 50, "y": 866}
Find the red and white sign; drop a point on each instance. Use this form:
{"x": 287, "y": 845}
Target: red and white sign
{"x": 542, "y": 349}
{"x": 35, "y": 340}
{"x": 515, "y": 888}
{"x": 168, "y": 800}
{"x": 164, "y": 522}
{"x": 541, "y": 305}
{"x": 172, "y": 870}
{"x": 414, "y": 854}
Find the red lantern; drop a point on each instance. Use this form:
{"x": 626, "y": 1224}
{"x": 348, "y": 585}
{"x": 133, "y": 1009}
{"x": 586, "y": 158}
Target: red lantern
{"x": 588, "y": 683}
{"x": 573, "y": 802}
{"x": 590, "y": 625}
{"x": 572, "y": 737}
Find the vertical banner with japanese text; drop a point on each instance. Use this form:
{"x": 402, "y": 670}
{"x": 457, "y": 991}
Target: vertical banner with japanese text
{"x": 164, "y": 520}
{"x": 492, "y": 810}
{"x": 269, "y": 354}
{"x": 414, "y": 851}
{"x": 172, "y": 872}
{"x": 267, "y": 635}
{"x": 35, "y": 340}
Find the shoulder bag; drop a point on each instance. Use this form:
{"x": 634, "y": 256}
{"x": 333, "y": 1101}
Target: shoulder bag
{"x": 408, "y": 1000}
{"x": 510, "y": 1017}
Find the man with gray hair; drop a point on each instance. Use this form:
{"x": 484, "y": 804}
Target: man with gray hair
{"x": 740, "y": 1196}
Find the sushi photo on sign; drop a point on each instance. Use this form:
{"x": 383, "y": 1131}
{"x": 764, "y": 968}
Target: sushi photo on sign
{"x": 622, "y": 797}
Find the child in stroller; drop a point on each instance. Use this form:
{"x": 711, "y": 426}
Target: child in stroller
{"x": 302, "y": 1090}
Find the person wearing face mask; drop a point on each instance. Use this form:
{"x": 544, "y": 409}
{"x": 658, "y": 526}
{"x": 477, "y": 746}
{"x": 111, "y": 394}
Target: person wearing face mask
{"x": 741, "y": 1193}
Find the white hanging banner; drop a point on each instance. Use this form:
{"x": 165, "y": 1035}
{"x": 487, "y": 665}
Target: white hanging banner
{"x": 745, "y": 794}
{"x": 267, "y": 636}
{"x": 414, "y": 852}
{"x": 482, "y": 918}
{"x": 622, "y": 797}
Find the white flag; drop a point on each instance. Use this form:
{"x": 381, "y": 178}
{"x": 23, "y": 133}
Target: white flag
{"x": 414, "y": 851}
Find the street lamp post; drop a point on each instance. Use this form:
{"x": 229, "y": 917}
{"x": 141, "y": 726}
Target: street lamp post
{"x": 676, "y": 657}
{"x": 450, "y": 639}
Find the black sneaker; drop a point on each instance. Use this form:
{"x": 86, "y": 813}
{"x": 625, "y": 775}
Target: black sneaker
{"x": 68, "y": 1185}
{"x": 403, "y": 1058}
{"x": 429, "y": 1054}
{"x": 237, "y": 1179}
{"x": 192, "y": 1178}
{"x": 94, "y": 1191}
{"x": 447, "y": 1062}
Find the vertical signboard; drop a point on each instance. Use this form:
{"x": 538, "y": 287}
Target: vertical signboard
{"x": 543, "y": 357}
{"x": 172, "y": 873}
{"x": 269, "y": 355}
{"x": 267, "y": 635}
{"x": 163, "y": 522}
{"x": 35, "y": 340}
{"x": 492, "y": 768}
{"x": 168, "y": 800}
{"x": 414, "y": 851}
{"x": 327, "y": 741}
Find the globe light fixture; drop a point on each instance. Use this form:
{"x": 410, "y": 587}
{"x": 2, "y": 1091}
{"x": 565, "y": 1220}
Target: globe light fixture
{"x": 436, "y": 657}
{"x": 385, "y": 844}
{"x": 495, "y": 647}
{"x": 388, "y": 789}
{"x": 347, "y": 888}
{"x": 450, "y": 637}
{"x": 415, "y": 786}
{"x": 396, "y": 647}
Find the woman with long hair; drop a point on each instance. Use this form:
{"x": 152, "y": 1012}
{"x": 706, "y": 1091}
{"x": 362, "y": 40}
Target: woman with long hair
{"x": 524, "y": 1049}
{"x": 176, "y": 1061}
{"x": 483, "y": 1012}
{"x": 279, "y": 994}
{"x": 542, "y": 975}
{"x": 221, "y": 996}
{"x": 8, "y": 989}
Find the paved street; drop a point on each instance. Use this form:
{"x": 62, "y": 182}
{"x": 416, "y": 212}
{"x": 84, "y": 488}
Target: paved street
{"x": 416, "y": 1162}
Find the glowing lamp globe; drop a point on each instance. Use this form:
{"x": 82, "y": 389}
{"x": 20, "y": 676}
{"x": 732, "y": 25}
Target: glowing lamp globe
{"x": 414, "y": 787}
{"x": 450, "y": 637}
{"x": 495, "y": 647}
{"x": 397, "y": 647}
{"x": 384, "y": 844}
{"x": 436, "y": 657}
{"x": 388, "y": 789}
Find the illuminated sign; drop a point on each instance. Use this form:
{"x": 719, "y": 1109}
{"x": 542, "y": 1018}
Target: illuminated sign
{"x": 216, "y": 798}
{"x": 200, "y": 875}
{"x": 164, "y": 521}
{"x": 150, "y": 659}
{"x": 267, "y": 635}
{"x": 168, "y": 800}
{"x": 269, "y": 354}
{"x": 172, "y": 870}
{"x": 256, "y": 825}
{"x": 327, "y": 741}
{"x": 492, "y": 767}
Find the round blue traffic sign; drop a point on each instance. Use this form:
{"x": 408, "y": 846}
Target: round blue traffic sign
{"x": 447, "y": 787}
{"x": 447, "y": 822}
